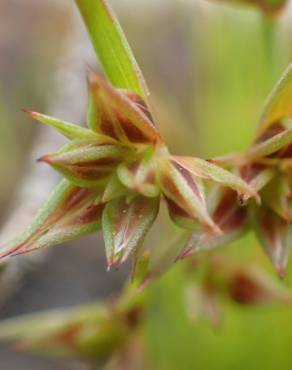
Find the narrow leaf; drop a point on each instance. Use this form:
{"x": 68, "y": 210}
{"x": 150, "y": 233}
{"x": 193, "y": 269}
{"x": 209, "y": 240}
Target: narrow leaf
{"x": 67, "y": 129}
{"x": 279, "y": 103}
{"x": 111, "y": 46}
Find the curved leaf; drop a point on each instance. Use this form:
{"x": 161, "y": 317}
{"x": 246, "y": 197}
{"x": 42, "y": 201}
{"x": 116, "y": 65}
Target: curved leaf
{"x": 279, "y": 103}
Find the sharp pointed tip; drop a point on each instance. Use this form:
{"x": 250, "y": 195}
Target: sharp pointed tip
{"x": 145, "y": 283}
{"x": 30, "y": 113}
{"x": 215, "y": 230}
{"x": 281, "y": 271}
{"x": 95, "y": 79}
{"x": 45, "y": 158}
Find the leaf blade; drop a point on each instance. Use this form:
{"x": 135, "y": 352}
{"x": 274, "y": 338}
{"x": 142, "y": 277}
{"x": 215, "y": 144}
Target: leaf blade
{"x": 111, "y": 46}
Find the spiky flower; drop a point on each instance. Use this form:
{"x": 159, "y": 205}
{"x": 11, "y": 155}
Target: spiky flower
{"x": 266, "y": 166}
{"x": 116, "y": 172}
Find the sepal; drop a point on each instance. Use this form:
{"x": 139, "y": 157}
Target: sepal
{"x": 68, "y": 214}
{"x": 125, "y": 224}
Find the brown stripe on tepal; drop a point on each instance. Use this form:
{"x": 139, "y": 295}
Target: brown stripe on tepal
{"x": 89, "y": 215}
{"x": 285, "y": 152}
{"x": 268, "y": 223}
{"x": 107, "y": 127}
{"x": 250, "y": 171}
{"x": 228, "y": 214}
{"x": 175, "y": 210}
{"x": 140, "y": 103}
{"x": 274, "y": 129}
{"x": 189, "y": 178}
{"x": 245, "y": 290}
{"x": 67, "y": 336}
{"x": 132, "y": 132}
{"x": 89, "y": 173}
{"x": 105, "y": 161}
{"x": 74, "y": 198}
{"x": 150, "y": 178}
{"x": 170, "y": 187}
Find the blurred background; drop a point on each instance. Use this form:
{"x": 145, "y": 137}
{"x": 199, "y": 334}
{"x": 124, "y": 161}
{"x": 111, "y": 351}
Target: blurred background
{"x": 209, "y": 68}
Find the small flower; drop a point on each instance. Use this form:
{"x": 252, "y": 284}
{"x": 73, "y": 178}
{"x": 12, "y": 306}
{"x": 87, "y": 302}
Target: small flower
{"x": 116, "y": 172}
{"x": 266, "y": 167}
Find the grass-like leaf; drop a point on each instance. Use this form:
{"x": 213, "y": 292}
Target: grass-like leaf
{"x": 279, "y": 103}
{"x": 111, "y": 46}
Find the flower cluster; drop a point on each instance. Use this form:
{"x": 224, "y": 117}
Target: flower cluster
{"x": 116, "y": 172}
{"x": 267, "y": 168}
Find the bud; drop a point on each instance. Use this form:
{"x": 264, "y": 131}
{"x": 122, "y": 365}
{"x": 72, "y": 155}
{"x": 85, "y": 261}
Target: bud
{"x": 114, "y": 114}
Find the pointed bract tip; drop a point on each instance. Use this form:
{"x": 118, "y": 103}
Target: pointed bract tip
{"x": 30, "y": 113}
{"x": 45, "y": 158}
{"x": 281, "y": 270}
{"x": 215, "y": 230}
{"x": 94, "y": 78}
